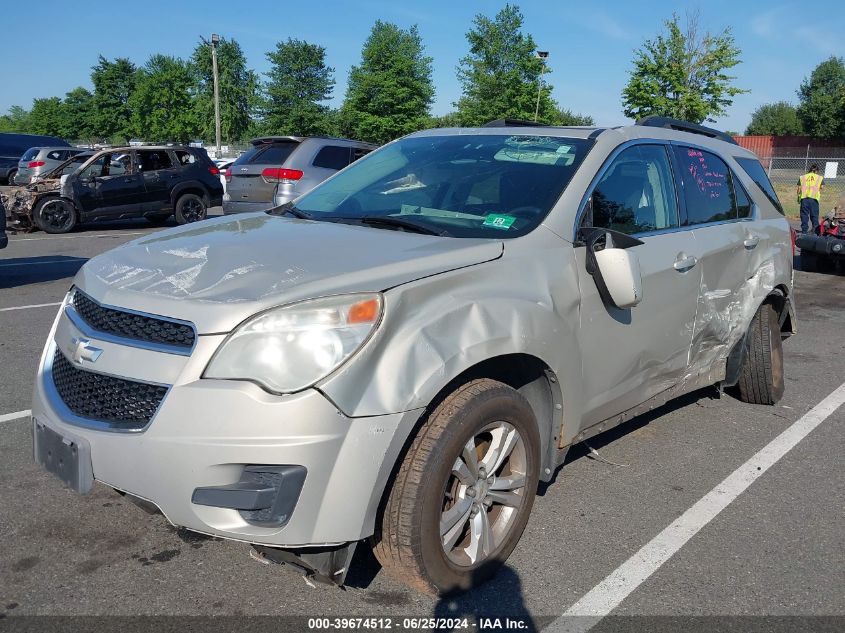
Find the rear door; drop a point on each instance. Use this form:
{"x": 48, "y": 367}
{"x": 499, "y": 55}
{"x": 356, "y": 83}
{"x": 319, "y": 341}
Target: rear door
{"x": 633, "y": 354}
{"x": 249, "y": 182}
{"x": 159, "y": 174}
{"x": 728, "y": 241}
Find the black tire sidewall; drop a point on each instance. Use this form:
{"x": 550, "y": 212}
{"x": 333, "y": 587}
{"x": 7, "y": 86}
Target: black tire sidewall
{"x": 499, "y": 404}
{"x": 775, "y": 343}
{"x": 10, "y": 177}
{"x": 39, "y": 222}
{"x": 180, "y": 202}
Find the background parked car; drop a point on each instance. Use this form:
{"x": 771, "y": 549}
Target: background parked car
{"x": 117, "y": 183}
{"x": 13, "y": 146}
{"x": 41, "y": 160}
{"x": 277, "y": 169}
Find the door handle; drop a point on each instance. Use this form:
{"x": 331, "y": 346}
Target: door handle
{"x": 751, "y": 242}
{"x": 684, "y": 262}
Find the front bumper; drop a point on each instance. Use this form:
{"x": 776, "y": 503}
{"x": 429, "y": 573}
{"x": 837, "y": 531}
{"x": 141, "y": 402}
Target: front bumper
{"x": 206, "y": 433}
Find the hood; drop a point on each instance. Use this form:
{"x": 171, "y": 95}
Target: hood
{"x": 219, "y": 272}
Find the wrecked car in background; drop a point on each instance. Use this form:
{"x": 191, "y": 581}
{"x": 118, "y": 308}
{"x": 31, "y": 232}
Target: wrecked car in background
{"x": 405, "y": 351}
{"x": 150, "y": 182}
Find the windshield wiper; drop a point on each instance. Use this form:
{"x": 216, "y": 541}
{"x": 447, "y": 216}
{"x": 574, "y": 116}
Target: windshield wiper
{"x": 289, "y": 209}
{"x": 392, "y": 222}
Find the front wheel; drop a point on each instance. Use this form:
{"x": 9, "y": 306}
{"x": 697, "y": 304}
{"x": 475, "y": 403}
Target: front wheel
{"x": 464, "y": 492}
{"x": 190, "y": 208}
{"x": 54, "y": 215}
{"x": 761, "y": 380}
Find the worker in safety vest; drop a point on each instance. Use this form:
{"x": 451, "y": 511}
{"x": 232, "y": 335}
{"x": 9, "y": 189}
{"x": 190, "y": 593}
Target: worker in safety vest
{"x": 809, "y": 192}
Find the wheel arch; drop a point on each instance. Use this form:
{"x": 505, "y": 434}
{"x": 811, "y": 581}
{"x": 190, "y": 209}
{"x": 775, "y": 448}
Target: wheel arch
{"x": 192, "y": 186}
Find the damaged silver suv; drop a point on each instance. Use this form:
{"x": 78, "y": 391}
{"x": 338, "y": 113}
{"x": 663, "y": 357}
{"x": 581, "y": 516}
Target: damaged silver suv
{"x": 404, "y": 352}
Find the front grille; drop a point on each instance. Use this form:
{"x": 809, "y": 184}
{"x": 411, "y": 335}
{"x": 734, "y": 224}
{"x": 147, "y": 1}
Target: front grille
{"x": 130, "y": 325}
{"x": 125, "y": 404}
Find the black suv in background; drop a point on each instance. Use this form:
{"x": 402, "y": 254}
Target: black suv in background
{"x": 118, "y": 183}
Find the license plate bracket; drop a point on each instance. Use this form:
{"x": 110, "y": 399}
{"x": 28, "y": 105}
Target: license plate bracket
{"x": 66, "y": 456}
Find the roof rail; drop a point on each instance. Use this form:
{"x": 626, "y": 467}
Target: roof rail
{"x": 513, "y": 123}
{"x": 684, "y": 126}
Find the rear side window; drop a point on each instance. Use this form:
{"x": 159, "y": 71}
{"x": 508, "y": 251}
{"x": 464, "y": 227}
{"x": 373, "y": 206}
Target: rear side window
{"x": 743, "y": 202}
{"x": 332, "y": 157}
{"x": 57, "y": 154}
{"x": 185, "y": 158}
{"x": 153, "y": 160}
{"x": 707, "y": 186}
{"x": 31, "y": 153}
{"x": 754, "y": 169}
{"x": 359, "y": 152}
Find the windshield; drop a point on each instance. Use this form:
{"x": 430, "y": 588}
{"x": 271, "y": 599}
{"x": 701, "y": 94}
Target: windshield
{"x": 70, "y": 165}
{"x": 458, "y": 185}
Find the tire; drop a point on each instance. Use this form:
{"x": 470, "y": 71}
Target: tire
{"x": 190, "y": 208}
{"x": 157, "y": 220}
{"x": 761, "y": 379}
{"x": 10, "y": 177}
{"x": 429, "y": 491}
{"x": 54, "y": 215}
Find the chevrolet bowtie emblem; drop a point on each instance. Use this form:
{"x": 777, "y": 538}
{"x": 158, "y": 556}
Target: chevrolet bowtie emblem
{"x": 81, "y": 349}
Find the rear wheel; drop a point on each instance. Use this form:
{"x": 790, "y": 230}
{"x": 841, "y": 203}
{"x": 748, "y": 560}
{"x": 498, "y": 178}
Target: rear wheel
{"x": 761, "y": 380}
{"x": 10, "y": 177}
{"x": 190, "y": 208}
{"x": 464, "y": 492}
{"x": 54, "y": 215}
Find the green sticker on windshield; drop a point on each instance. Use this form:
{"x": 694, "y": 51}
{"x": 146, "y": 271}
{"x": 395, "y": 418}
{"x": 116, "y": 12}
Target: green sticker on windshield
{"x": 498, "y": 221}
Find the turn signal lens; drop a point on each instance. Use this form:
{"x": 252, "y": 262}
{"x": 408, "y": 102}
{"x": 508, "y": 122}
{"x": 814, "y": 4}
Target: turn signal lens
{"x": 364, "y": 312}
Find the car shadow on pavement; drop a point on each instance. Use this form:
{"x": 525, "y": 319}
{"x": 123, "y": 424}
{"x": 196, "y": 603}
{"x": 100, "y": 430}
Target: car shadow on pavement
{"x": 21, "y": 271}
{"x": 597, "y": 442}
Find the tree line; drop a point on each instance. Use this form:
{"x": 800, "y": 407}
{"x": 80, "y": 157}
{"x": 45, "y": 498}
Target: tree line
{"x": 681, "y": 73}
{"x": 820, "y": 112}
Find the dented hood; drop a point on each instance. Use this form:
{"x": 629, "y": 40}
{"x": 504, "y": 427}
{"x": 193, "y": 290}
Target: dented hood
{"x": 219, "y": 272}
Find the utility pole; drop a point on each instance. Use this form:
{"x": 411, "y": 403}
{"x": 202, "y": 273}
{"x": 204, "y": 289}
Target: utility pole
{"x": 215, "y": 39}
{"x": 542, "y": 56}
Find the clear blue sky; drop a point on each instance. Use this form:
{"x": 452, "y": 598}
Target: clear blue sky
{"x": 52, "y": 45}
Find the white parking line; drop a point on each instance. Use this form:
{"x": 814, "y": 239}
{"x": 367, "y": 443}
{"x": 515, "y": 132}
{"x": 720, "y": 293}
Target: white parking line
{"x": 34, "y": 305}
{"x": 15, "y": 416}
{"x": 74, "y": 237}
{"x": 610, "y": 592}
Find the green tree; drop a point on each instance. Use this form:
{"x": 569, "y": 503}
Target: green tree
{"x": 568, "y": 117}
{"x": 450, "y": 119}
{"x": 502, "y": 75}
{"x": 299, "y": 82}
{"x": 78, "y": 115}
{"x": 162, "y": 102}
{"x": 238, "y": 90}
{"x": 46, "y": 116}
{"x": 682, "y": 74}
{"x": 15, "y": 120}
{"x": 775, "y": 119}
{"x": 822, "y": 108}
{"x": 390, "y": 93}
{"x": 114, "y": 82}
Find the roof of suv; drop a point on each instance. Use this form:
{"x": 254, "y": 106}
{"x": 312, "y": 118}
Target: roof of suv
{"x": 651, "y": 127}
{"x": 263, "y": 140}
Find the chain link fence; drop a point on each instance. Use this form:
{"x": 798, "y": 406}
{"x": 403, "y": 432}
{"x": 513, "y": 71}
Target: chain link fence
{"x": 785, "y": 169}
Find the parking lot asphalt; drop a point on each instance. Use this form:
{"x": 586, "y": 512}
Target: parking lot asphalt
{"x": 776, "y": 550}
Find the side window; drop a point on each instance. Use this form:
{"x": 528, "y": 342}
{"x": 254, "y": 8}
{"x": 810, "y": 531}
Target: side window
{"x": 707, "y": 186}
{"x": 185, "y": 158}
{"x": 56, "y": 154}
{"x": 332, "y": 157}
{"x": 636, "y": 194}
{"x": 153, "y": 160}
{"x": 359, "y": 152}
{"x": 755, "y": 170}
{"x": 743, "y": 202}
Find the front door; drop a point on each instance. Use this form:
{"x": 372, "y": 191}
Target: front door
{"x": 631, "y": 355}
{"x": 109, "y": 187}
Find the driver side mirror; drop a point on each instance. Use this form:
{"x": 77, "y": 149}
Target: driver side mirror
{"x": 615, "y": 270}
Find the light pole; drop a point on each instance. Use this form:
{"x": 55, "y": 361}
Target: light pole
{"x": 542, "y": 56}
{"x": 215, "y": 39}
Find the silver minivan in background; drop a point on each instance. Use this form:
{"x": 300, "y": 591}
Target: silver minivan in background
{"x": 277, "y": 169}
{"x": 37, "y": 161}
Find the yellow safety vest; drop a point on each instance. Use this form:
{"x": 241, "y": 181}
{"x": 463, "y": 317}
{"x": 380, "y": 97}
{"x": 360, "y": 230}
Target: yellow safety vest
{"x": 811, "y": 185}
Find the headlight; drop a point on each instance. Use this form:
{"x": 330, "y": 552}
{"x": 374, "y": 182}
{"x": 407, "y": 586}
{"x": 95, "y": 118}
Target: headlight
{"x": 290, "y": 348}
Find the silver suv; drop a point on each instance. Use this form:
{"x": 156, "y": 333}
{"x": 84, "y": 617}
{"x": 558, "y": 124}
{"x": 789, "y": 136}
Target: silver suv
{"x": 409, "y": 349}
{"x": 277, "y": 169}
{"x": 41, "y": 160}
